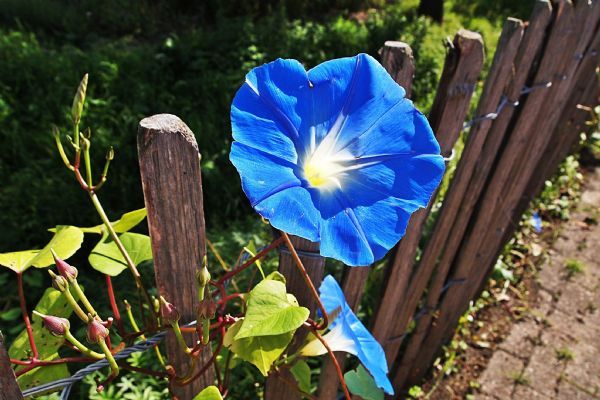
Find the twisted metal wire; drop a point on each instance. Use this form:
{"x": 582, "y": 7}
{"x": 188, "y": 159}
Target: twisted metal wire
{"x": 67, "y": 383}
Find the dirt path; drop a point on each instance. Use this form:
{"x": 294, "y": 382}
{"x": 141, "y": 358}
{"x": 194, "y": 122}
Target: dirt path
{"x": 554, "y": 353}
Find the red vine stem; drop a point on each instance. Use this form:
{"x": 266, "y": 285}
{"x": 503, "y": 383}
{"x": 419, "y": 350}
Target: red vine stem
{"x": 23, "y": 304}
{"x": 113, "y": 305}
{"x": 338, "y": 369}
{"x": 307, "y": 280}
{"x": 250, "y": 261}
{"x": 39, "y": 363}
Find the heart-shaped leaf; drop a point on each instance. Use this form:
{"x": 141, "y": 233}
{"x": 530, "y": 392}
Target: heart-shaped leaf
{"x": 65, "y": 242}
{"x": 107, "y": 258}
{"x": 270, "y": 311}
{"x": 262, "y": 351}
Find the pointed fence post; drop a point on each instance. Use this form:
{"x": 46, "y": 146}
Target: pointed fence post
{"x": 172, "y": 183}
{"x": 9, "y": 389}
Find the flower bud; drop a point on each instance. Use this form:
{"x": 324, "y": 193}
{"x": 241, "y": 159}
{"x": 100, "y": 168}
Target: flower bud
{"x": 66, "y": 270}
{"x": 168, "y": 311}
{"x": 96, "y": 331}
{"x": 203, "y": 277}
{"x": 56, "y": 325}
{"x": 207, "y": 309}
{"x": 78, "y": 100}
{"x": 58, "y": 282}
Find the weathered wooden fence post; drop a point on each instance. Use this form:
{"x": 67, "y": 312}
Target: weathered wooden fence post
{"x": 461, "y": 70}
{"x": 9, "y": 389}
{"x": 172, "y": 183}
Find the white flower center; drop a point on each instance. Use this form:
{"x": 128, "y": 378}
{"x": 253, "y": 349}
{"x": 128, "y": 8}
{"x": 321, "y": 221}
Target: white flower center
{"x": 322, "y": 172}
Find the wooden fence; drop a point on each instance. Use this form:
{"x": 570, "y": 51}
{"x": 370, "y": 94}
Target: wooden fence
{"x": 525, "y": 123}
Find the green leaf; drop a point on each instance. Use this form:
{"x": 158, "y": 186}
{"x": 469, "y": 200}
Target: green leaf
{"x": 270, "y": 311}
{"x": 276, "y": 276}
{"x": 301, "y": 372}
{"x": 41, "y": 375}
{"x": 209, "y": 393}
{"x": 54, "y": 303}
{"x": 10, "y": 314}
{"x": 127, "y": 222}
{"x": 362, "y": 384}
{"x": 65, "y": 242}
{"x": 18, "y": 261}
{"x": 262, "y": 351}
{"x": 107, "y": 258}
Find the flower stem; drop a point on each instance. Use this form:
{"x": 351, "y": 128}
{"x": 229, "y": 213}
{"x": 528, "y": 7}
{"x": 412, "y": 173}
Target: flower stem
{"x": 250, "y": 261}
{"x": 82, "y": 297}
{"x": 180, "y": 339}
{"x": 338, "y": 369}
{"x": 111, "y": 360}
{"x": 307, "y": 280}
{"x": 130, "y": 264}
{"x": 25, "y": 314}
{"x": 81, "y": 347}
{"x": 73, "y": 303}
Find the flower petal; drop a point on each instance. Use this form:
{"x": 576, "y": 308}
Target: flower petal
{"x": 342, "y": 236}
{"x": 292, "y": 210}
{"x": 259, "y": 127}
{"x": 366, "y": 348}
{"x": 262, "y": 174}
{"x": 370, "y": 94}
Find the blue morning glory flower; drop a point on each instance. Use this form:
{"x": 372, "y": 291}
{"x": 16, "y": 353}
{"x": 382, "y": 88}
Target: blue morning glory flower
{"x": 335, "y": 155}
{"x": 536, "y": 222}
{"x": 347, "y": 333}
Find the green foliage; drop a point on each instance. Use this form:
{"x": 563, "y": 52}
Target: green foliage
{"x": 261, "y": 351}
{"x": 53, "y": 303}
{"x": 301, "y": 372}
{"x": 209, "y": 393}
{"x": 361, "y": 383}
{"x": 65, "y": 242}
{"x": 108, "y": 259}
{"x": 271, "y": 311}
{"x": 574, "y": 267}
{"x": 124, "y": 224}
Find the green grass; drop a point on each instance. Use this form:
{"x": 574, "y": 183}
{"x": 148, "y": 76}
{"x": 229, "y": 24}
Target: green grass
{"x": 574, "y": 267}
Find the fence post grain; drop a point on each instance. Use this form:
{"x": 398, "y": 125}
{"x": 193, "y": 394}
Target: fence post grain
{"x": 172, "y": 184}
{"x": 495, "y": 87}
{"x": 461, "y": 70}
{"x": 9, "y": 388}
{"x": 279, "y": 385}
{"x": 514, "y": 169}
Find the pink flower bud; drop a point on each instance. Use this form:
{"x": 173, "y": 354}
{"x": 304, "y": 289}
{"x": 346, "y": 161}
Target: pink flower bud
{"x": 96, "y": 331}
{"x": 65, "y": 270}
{"x": 168, "y": 311}
{"x": 56, "y": 325}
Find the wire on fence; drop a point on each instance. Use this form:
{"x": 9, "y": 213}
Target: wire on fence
{"x": 67, "y": 383}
